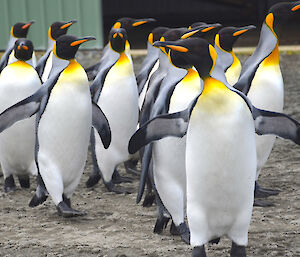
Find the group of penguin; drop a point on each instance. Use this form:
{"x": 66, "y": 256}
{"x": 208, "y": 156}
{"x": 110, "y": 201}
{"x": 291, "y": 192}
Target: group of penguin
{"x": 203, "y": 124}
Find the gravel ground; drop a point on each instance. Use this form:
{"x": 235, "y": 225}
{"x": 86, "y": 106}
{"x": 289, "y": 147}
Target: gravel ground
{"x": 116, "y": 226}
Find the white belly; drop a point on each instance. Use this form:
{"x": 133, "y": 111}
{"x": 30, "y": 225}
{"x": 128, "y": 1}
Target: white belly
{"x": 119, "y": 102}
{"x": 145, "y": 88}
{"x": 220, "y": 167}
{"x": 64, "y": 132}
{"x": 17, "y": 142}
{"x": 169, "y": 156}
{"x": 266, "y": 93}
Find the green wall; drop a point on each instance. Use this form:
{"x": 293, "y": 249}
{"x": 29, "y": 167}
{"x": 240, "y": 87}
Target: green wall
{"x": 88, "y": 13}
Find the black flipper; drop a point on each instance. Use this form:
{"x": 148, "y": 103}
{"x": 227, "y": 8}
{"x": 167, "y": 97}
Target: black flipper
{"x": 174, "y": 124}
{"x": 4, "y": 58}
{"x": 40, "y": 67}
{"x": 100, "y": 123}
{"x": 97, "y": 85}
{"x": 264, "y": 48}
{"x": 279, "y": 124}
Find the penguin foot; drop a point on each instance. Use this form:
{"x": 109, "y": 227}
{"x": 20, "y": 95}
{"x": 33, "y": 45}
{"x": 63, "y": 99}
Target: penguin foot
{"x": 262, "y": 203}
{"x": 67, "y": 200}
{"x": 199, "y": 251}
{"x": 215, "y": 241}
{"x": 67, "y": 212}
{"x": 40, "y": 196}
{"x": 130, "y": 167}
{"x": 111, "y": 188}
{"x": 161, "y": 224}
{"x": 149, "y": 199}
{"x": 93, "y": 180}
{"x": 118, "y": 179}
{"x": 182, "y": 230}
{"x": 24, "y": 181}
{"x": 237, "y": 250}
{"x": 9, "y": 184}
{"x": 1, "y": 174}
{"x": 261, "y": 192}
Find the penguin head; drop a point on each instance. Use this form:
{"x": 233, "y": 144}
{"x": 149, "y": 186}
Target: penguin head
{"x": 58, "y": 29}
{"x": 196, "y": 52}
{"x": 117, "y": 39}
{"x": 196, "y": 24}
{"x": 20, "y": 29}
{"x": 66, "y": 46}
{"x": 130, "y": 23}
{"x": 227, "y": 36}
{"x": 200, "y": 30}
{"x": 23, "y": 49}
{"x": 280, "y": 13}
{"x": 156, "y": 34}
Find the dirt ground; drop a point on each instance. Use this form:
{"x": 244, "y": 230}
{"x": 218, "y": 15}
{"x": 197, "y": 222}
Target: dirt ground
{"x": 116, "y": 227}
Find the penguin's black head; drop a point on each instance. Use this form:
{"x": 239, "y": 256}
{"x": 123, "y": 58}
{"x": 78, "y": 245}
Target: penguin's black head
{"x": 227, "y": 36}
{"x": 117, "y": 39}
{"x": 197, "y": 24}
{"x": 23, "y": 49}
{"x": 130, "y": 23}
{"x": 196, "y": 52}
{"x": 156, "y": 34}
{"x": 58, "y": 29}
{"x": 20, "y": 29}
{"x": 66, "y": 46}
{"x": 280, "y": 13}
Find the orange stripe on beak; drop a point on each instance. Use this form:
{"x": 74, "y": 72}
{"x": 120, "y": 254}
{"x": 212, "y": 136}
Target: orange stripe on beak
{"x": 295, "y": 8}
{"x": 78, "y": 42}
{"x": 239, "y": 32}
{"x": 19, "y": 47}
{"x": 66, "y": 25}
{"x": 25, "y": 47}
{"x": 178, "y": 48}
{"x": 189, "y": 34}
{"x": 26, "y": 25}
{"x": 207, "y": 29}
{"x": 138, "y": 23}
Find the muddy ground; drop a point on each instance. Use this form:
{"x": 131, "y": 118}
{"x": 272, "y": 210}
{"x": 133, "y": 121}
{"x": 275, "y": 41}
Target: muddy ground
{"x": 116, "y": 226}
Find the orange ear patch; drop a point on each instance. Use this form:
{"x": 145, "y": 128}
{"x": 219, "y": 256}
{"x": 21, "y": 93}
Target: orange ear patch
{"x": 115, "y": 35}
{"x": 150, "y": 38}
{"x": 117, "y": 25}
{"x": 25, "y": 47}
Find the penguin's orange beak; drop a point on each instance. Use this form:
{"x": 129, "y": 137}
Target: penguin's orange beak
{"x": 27, "y": 25}
{"x": 82, "y": 40}
{"x": 295, "y": 8}
{"x": 68, "y": 24}
{"x": 142, "y": 21}
{"x": 171, "y": 45}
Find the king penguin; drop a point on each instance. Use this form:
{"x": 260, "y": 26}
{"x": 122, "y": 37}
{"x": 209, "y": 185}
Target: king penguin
{"x": 19, "y": 30}
{"x": 125, "y": 23}
{"x": 65, "y": 115}
{"x": 150, "y": 63}
{"x": 224, "y": 42}
{"x": 115, "y": 90}
{"x": 18, "y": 80}
{"x": 267, "y": 88}
{"x": 220, "y": 150}
{"x": 56, "y": 30}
